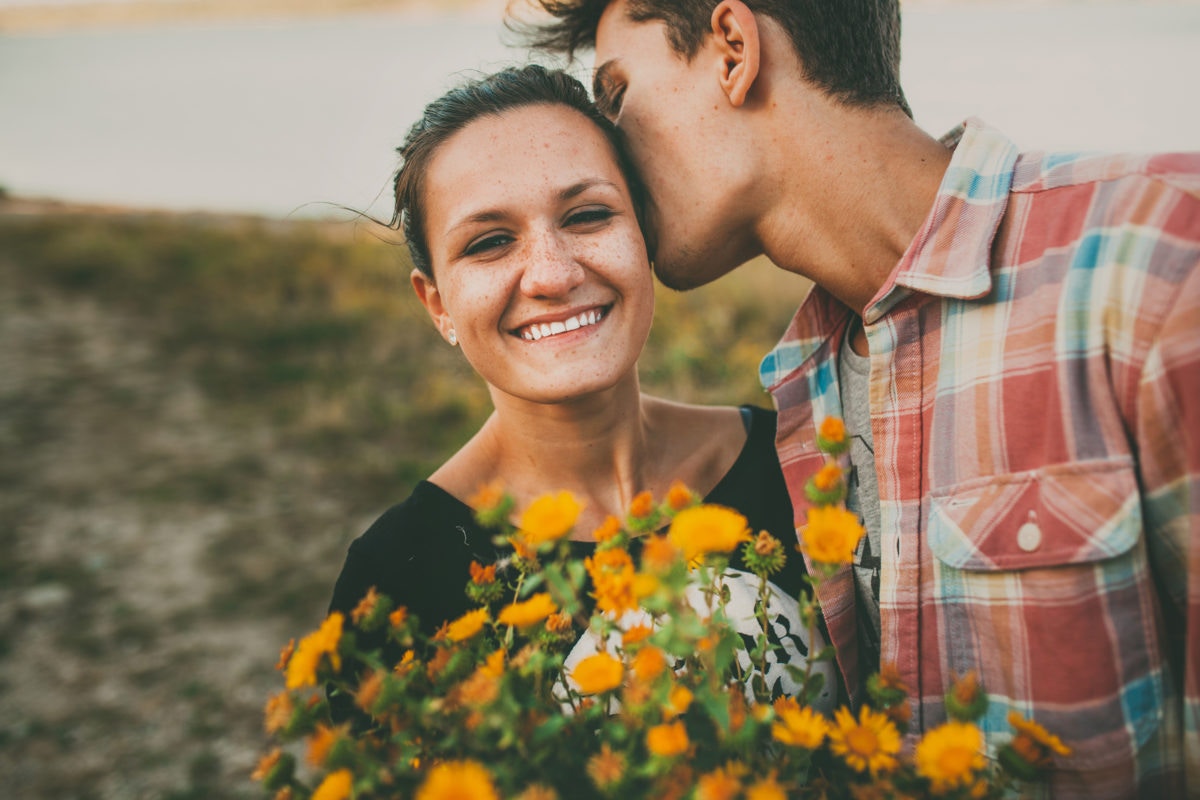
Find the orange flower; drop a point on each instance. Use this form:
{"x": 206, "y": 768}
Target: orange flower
{"x": 266, "y": 764}
{"x": 598, "y": 673}
{"x": 528, "y": 613}
{"x": 720, "y": 784}
{"x": 368, "y": 690}
{"x": 489, "y": 496}
{"x": 642, "y": 505}
{"x": 637, "y": 633}
{"x": 701, "y": 530}
{"x": 320, "y": 743}
{"x": 679, "y": 496}
{"x": 549, "y": 518}
{"x": 278, "y": 712}
{"x": 458, "y": 780}
{"x": 606, "y": 768}
{"x": 302, "y": 668}
{"x": 613, "y": 580}
{"x": 1037, "y": 740}
{"x": 493, "y": 665}
{"x": 648, "y": 664}
{"x": 658, "y": 554}
{"x": 398, "y": 617}
{"x": 766, "y": 789}
{"x": 828, "y": 477}
{"x": 667, "y": 740}
{"x": 482, "y": 575}
{"x": 831, "y": 535}
{"x": 365, "y": 606}
{"x": 559, "y": 623}
{"x": 336, "y": 786}
{"x": 467, "y": 625}
{"x": 833, "y": 429}
{"x": 608, "y": 529}
{"x": 285, "y": 655}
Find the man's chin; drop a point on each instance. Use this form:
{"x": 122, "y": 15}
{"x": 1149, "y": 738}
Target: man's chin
{"x": 682, "y": 275}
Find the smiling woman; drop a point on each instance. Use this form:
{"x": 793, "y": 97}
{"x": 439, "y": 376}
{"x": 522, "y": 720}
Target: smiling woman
{"x": 523, "y": 218}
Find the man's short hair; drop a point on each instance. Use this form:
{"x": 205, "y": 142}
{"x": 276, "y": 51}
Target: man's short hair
{"x": 849, "y": 48}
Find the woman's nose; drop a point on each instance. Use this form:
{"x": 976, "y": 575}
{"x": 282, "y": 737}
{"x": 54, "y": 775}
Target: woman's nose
{"x": 550, "y": 269}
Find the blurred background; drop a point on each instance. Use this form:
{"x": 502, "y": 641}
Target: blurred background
{"x": 213, "y": 377}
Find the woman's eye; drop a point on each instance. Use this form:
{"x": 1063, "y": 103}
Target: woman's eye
{"x": 487, "y": 243}
{"x": 590, "y": 216}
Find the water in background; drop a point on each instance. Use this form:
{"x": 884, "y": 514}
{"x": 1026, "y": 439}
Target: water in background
{"x": 286, "y": 117}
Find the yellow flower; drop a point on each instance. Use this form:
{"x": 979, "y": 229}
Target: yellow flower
{"x": 336, "y": 786}
{"x": 493, "y": 666}
{"x": 700, "y": 530}
{"x": 613, "y": 580}
{"x": 766, "y": 789}
{"x": 679, "y": 496}
{"x": 678, "y": 701}
{"x": 598, "y": 673}
{"x": 831, "y": 535}
{"x": 1035, "y": 734}
{"x": 302, "y": 668}
{"x": 549, "y": 518}
{"x": 870, "y": 743}
{"x": 950, "y": 755}
{"x": 667, "y": 740}
{"x": 458, "y": 780}
{"x": 467, "y": 625}
{"x": 799, "y": 727}
{"x": 529, "y": 612}
{"x": 648, "y": 664}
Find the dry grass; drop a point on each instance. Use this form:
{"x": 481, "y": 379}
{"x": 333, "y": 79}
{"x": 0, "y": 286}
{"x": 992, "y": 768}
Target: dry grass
{"x": 197, "y": 414}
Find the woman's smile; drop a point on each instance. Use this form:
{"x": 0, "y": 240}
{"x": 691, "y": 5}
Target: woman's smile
{"x": 550, "y": 326}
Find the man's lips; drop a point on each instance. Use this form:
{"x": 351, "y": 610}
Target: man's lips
{"x": 544, "y": 329}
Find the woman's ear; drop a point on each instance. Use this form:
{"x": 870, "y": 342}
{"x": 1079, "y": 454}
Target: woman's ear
{"x": 431, "y": 298}
{"x": 735, "y": 33}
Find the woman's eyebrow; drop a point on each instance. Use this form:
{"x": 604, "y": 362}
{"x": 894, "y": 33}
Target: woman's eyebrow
{"x": 576, "y": 189}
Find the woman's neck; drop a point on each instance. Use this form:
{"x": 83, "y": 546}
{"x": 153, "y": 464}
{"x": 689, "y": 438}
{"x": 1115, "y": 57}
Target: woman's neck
{"x": 600, "y": 448}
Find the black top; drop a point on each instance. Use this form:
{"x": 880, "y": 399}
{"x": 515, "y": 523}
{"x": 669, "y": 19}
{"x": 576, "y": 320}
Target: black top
{"x": 419, "y": 552}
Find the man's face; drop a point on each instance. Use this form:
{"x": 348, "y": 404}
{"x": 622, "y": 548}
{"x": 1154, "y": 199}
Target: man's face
{"x": 673, "y": 115}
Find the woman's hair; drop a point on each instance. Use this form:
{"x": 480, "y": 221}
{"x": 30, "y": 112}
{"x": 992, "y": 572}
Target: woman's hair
{"x": 848, "y": 48}
{"x": 494, "y": 94}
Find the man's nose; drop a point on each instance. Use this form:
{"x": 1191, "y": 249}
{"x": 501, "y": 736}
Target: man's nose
{"x": 551, "y": 269}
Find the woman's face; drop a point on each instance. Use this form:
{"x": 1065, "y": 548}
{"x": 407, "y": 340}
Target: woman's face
{"x": 540, "y": 265}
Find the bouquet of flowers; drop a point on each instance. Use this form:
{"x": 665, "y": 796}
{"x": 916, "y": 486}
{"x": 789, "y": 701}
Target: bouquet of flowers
{"x": 670, "y": 703}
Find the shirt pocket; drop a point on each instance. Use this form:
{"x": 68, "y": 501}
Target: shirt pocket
{"x": 1054, "y": 516}
{"x": 1043, "y": 583}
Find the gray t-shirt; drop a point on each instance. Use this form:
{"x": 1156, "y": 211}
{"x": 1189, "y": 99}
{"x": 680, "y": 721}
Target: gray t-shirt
{"x": 854, "y": 372}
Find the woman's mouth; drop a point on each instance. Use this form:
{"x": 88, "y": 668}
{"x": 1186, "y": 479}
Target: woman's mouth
{"x": 542, "y": 330}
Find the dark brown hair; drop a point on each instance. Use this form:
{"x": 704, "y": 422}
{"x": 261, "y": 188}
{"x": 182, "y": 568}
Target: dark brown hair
{"x": 848, "y": 48}
{"x": 493, "y": 94}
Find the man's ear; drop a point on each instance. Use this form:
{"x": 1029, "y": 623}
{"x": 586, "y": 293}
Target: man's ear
{"x": 735, "y": 32}
{"x": 431, "y": 298}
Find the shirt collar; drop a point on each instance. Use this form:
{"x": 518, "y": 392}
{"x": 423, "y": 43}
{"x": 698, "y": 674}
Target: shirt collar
{"x": 951, "y": 253}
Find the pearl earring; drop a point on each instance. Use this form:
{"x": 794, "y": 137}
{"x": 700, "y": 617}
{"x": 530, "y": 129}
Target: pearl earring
{"x": 452, "y": 337}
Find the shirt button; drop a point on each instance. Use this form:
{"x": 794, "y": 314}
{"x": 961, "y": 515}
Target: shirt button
{"x": 1029, "y": 537}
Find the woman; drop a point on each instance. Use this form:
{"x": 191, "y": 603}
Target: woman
{"x": 521, "y": 215}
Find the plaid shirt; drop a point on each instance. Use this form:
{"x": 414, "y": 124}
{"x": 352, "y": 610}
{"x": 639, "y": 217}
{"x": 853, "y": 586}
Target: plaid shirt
{"x": 1035, "y": 406}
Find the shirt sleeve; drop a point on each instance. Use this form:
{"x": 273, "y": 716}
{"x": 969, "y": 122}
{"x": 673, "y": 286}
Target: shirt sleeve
{"x": 1168, "y": 434}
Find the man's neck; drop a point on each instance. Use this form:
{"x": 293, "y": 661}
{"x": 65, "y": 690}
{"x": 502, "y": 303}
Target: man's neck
{"x": 852, "y": 189}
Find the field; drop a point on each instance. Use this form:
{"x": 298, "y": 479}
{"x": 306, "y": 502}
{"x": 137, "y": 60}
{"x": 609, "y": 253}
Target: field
{"x": 197, "y": 415}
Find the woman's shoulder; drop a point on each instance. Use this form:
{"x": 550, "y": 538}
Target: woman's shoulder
{"x": 412, "y": 524}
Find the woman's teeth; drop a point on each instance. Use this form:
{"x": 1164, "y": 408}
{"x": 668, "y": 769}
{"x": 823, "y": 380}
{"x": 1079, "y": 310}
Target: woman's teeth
{"x": 544, "y": 329}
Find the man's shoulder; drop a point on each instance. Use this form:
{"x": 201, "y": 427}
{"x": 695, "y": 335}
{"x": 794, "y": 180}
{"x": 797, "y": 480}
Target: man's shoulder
{"x": 1039, "y": 171}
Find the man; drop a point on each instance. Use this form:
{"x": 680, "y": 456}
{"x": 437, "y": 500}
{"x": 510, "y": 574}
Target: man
{"x": 1013, "y": 340}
